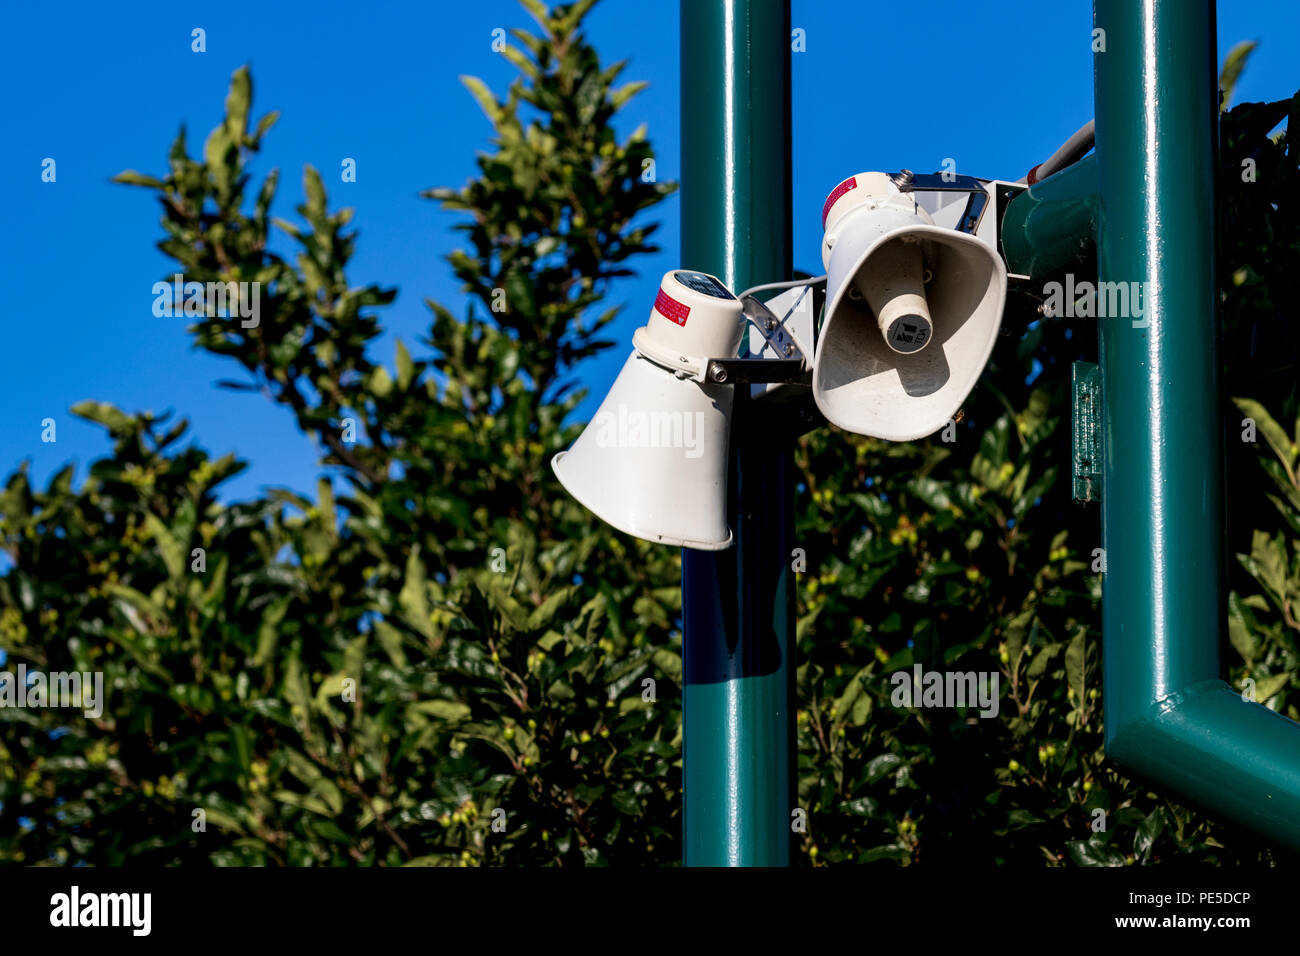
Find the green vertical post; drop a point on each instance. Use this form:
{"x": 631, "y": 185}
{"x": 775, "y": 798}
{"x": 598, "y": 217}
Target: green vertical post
{"x": 1169, "y": 716}
{"x": 737, "y": 605}
{"x": 1162, "y": 491}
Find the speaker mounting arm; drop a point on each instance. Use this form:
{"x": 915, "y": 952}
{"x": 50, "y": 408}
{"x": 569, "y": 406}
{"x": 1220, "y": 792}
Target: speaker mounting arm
{"x": 908, "y": 181}
{"x": 755, "y": 371}
{"x": 789, "y": 363}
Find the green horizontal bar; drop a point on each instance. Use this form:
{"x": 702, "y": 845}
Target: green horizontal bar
{"x": 1051, "y": 227}
{"x": 1233, "y": 757}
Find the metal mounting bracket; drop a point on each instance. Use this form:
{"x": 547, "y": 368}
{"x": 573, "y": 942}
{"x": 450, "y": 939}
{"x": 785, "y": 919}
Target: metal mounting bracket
{"x": 773, "y": 330}
{"x": 908, "y": 182}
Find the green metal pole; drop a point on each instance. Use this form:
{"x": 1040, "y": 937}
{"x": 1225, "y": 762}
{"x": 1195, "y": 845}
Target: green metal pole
{"x": 1162, "y": 505}
{"x": 1168, "y": 715}
{"x": 737, "y": 610}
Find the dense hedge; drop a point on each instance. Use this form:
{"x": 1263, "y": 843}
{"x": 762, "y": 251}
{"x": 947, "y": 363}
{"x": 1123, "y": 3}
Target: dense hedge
{"x": 447, "y": 662}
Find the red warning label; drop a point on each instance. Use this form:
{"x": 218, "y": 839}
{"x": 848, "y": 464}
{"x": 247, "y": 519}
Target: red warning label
{"x": 836, "y": 193}
{"x": 670, "y": 308}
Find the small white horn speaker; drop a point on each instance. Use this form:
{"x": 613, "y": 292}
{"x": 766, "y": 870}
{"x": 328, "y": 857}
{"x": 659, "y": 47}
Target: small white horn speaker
{"x": 912, "y": 311}
{"x": 653, "y": 461}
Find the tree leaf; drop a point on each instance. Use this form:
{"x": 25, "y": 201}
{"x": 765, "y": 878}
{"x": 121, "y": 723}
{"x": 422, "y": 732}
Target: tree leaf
{"x": 130, "y": 177}
{"x": 1094, "y": 852}
{"x": 1267, "y": 687}
{"x": 1239, "y": 632}
{"x": 1273, "y": 433}
{"x": 1148, "y": 833}
{"x": 1233, "y": 64}
{"x": 390, "y": 639}
{"x": 414, "y": 597}
{"x": 449, "y": 710}
{"x": 171, "y": 550}
{"x": 405, "y": 367}
{"x": 486, "y": 101}
{"x": 103, "y": 413}
{"x": 1075, "y": 656}
{"x": 237, "y": 102}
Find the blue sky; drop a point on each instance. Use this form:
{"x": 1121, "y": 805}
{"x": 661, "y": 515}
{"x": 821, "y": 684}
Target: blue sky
{"x": 996, "y": 86}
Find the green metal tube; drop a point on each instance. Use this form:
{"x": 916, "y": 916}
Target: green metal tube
{"x": 1052, "y": 225}
{"x": 1168, "y": 716}
{"x": 737, "y": 610}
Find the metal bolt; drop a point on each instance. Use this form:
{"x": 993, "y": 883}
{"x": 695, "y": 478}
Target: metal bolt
{"x": 718, "y": 373}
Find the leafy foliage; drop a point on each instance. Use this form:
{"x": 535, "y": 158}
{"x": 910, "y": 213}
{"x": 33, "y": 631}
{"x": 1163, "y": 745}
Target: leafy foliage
{"x": 378, "y": 674}
{"x": 447, "y": 585}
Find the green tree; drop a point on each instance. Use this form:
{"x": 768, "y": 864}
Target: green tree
{"x": 375, "y": 676}
{"x": 441, "y": 640}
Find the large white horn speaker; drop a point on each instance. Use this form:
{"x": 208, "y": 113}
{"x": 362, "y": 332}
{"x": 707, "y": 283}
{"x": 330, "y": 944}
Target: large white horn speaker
{"x": 912, "y": 311}
{"x": 653, "y": 460}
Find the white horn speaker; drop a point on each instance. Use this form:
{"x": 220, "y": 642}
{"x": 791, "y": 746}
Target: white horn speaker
{"x": 912, "y": 311}
{"x": 653, "y": 461}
